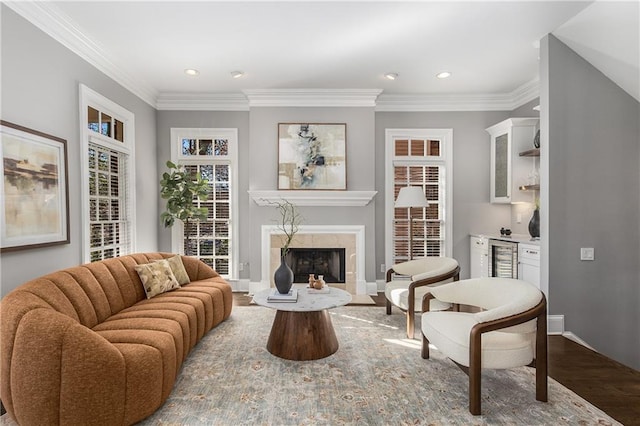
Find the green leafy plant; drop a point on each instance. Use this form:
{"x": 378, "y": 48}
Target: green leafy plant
{"x": 180, "y": 188}
{"x": 289, "y": 222}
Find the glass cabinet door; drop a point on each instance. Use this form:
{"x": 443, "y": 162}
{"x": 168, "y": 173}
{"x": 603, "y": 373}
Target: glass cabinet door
{"x": 501, "y": 167}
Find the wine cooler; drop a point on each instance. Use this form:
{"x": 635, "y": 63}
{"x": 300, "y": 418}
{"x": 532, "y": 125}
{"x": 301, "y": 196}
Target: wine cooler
{"x": 503, "y": 259}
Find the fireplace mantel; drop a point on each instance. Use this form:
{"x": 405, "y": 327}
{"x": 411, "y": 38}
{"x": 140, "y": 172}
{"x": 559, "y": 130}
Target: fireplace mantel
{"x": 314, "y": 198}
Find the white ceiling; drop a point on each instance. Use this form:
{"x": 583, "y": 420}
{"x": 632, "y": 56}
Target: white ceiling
{"x": 487, "y": 46}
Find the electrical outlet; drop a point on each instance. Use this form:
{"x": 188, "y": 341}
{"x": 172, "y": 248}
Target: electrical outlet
{"x": 587, "y": 253}
{"x": 382, "y": 268}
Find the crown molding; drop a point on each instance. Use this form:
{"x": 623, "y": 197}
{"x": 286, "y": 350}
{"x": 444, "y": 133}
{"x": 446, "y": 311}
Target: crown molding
{"x": 202, "y": 102}
{"x": 471, "y": 102}
{"x": 312, "y": 97}
{"x": 51, "y": 20}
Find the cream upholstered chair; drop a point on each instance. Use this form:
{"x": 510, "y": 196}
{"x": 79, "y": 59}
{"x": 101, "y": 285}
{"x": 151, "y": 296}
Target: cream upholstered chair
{"x": 423, "y": 272}
{"x": 510, "y": 331}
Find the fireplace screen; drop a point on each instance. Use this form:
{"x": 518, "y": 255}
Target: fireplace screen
{"x": 329, "y": 262}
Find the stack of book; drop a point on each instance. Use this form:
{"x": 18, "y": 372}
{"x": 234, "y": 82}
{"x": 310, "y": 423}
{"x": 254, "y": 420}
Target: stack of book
{"x": 276, "y": 296}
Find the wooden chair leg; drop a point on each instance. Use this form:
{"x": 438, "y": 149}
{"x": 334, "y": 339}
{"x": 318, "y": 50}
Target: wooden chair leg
{"x": 411, "y": 323}
{"x": 425, "y": 348}
{"x": 475, "y": 368}
{"x": 388, "y": 307}
{"x": 541, "y": 358}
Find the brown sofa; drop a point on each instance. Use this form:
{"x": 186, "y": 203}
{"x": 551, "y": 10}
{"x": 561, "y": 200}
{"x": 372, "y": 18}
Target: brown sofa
{"x": 84, "y": 346}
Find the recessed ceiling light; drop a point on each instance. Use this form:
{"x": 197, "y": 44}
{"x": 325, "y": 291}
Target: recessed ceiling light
{"x": 391, "y": 75}
{"x": 443, "y": 74}
{"x": 191, "y": 71}
{"x": 236, "y": 74}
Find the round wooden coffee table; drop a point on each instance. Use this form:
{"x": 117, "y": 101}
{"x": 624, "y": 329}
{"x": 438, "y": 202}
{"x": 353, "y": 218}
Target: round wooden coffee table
{"x": 303, "y": 331}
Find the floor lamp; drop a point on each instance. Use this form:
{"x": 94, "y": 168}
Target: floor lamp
{"x": 411, "y": 196}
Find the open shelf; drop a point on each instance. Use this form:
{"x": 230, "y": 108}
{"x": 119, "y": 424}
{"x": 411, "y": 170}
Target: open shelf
{"x": 535, "y": 152}
{"x": 535, "y": 187}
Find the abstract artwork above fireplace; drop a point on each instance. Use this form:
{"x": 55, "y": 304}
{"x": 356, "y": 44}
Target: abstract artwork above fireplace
{"x": 312, "y": 156}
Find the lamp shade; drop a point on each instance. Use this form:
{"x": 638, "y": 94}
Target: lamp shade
{"x": 411, "y": 196}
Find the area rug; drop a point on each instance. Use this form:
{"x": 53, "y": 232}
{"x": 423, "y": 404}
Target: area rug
{"x": 376, "y": 377}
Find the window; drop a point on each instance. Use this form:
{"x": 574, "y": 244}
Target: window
{"x": 107, "y": 169}
{"x": 422, "y": 158}
{"x": 212, "y": 153}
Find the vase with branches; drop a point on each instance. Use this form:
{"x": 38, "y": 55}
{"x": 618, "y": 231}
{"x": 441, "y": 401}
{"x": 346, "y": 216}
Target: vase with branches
{"x": 289, "y": 224}
{"x": 181, "y": 188}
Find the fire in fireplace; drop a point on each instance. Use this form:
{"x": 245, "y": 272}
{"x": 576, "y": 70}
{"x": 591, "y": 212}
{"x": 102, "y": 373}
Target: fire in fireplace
{"x": 329, "y": 262}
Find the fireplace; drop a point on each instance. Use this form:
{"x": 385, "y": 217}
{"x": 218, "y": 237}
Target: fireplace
{"x": 328, "y": 262}
{"x": 350, "y": 238}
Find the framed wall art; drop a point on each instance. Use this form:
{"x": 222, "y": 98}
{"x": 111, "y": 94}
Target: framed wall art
{"x": 312, "y": 156}
{"x": 34, "y": 201}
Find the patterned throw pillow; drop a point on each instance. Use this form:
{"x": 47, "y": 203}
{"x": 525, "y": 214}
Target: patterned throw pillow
{"x": 157, "y": 278}
{"x": 177, "y": 267}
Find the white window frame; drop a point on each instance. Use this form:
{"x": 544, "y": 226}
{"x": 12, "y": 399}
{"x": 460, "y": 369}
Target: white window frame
{"x": 231, "y": 134}
{"x": 445, "y": 136}
{"x": 91, "y": 98}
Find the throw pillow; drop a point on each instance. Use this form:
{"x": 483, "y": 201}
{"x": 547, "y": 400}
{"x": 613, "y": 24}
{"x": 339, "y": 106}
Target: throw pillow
{"x": 156, "y": 278}
{"x": 177, "y": 267}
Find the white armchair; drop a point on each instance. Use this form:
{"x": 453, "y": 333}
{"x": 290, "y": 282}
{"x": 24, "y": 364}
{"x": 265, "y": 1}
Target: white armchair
{"x": 423, "y": 272}
{"x": 510, "y": 331}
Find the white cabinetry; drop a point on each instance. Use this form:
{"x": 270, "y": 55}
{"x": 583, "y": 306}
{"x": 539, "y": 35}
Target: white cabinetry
{"x": 529, "y": 263}
{"x": 509, "y": 170}
{"x": 479, "y": 257}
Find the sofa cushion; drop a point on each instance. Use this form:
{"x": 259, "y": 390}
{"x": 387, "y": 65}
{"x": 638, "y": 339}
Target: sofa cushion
{"x": 177, "y": 267}
{"x": 157, "y": 277}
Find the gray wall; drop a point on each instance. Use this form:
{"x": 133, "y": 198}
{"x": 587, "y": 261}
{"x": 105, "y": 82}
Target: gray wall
{"x": 263, "y": 173}
{"x": 594, "y": 201}
{"x": 472, "y": 211}
{"x": 207, "y": 119}
{"x": 40, "y": 81}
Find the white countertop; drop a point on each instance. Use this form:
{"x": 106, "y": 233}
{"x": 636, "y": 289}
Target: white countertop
{"x": 516, "y": 238}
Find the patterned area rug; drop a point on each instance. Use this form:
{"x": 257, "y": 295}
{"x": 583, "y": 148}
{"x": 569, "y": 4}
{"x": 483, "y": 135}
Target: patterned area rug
{"x": 376, "y": 377}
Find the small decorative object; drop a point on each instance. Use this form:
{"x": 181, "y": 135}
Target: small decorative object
{"x": 312, "y": 156}
{"x": 319, "y": 282}
{"x": 180, "y": 188}
{"x": 502, "y": 231}
{"x": 312, "y": 280}
{"x": 536, "y": 139}
{"x": 34, "y": 199}
{"x": 534, "y": 224}
{"x": 289, "y": 224}
{"x": 283, "y": 277}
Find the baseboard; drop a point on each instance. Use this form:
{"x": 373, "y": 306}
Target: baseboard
{"x": 555, "y": 324}
{"x": 569, "y": 335}
{"x": 372, "y": 289}
{"x": 240, "y": 286}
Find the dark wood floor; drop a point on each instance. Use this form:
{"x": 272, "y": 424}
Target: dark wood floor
{"x": 607, "y": 384}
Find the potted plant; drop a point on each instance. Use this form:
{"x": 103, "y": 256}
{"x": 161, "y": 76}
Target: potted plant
{"x": 180, "y": 188}
{"x": 289, "y": 224}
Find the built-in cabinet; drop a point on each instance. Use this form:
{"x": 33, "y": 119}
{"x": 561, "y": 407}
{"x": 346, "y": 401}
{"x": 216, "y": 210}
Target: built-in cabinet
{"x": 513, "y": 160}
{"x": 479, "y": 257}
{"x": 529, "y": 263}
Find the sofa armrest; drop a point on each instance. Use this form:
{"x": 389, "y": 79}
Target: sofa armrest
{"x": 63, "y": 372}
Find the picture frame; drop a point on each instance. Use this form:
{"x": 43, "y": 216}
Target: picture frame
{"x": 312, "y": 156}
{"x": 34, "y": 200}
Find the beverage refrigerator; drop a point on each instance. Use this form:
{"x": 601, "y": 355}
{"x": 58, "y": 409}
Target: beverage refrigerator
{"x": 503, "y": 259}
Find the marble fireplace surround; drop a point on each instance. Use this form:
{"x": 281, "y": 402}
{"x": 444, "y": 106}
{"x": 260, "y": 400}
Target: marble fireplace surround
{"x": 349, "y": 237}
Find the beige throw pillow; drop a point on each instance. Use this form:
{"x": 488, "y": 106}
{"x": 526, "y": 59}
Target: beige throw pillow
{"x": 157, "y": 278}
{"x": 177, "y": 267}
